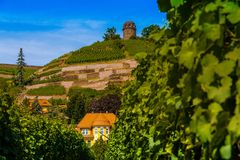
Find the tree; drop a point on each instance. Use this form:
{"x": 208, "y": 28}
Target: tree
{"x": 108, "y": 103}
{"x": 147, "y": 31}
{"x": 111, "y": 34}
{"x": 76, "y": 107}
{"x": 19, "y": 77}
{"x": 99, "y": 149}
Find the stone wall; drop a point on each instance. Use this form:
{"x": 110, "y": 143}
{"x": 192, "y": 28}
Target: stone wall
{"x": 96, "y": 75}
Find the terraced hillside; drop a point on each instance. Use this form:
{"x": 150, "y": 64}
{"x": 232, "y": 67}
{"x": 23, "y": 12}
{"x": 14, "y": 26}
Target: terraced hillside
{"x": 93, "y": 75}
{"x": 95, "y": 66}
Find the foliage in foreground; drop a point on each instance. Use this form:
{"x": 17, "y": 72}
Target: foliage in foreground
{"x": 36, "y": 137}
{"x": 185, "y": 103}
{"x": 99, "y": 148}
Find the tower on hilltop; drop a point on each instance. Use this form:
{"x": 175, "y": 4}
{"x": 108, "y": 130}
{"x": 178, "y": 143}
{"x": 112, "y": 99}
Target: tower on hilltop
{"x": 129, "y": 30}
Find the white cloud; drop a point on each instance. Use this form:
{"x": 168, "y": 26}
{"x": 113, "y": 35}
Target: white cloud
{"x": 40, "y": 47}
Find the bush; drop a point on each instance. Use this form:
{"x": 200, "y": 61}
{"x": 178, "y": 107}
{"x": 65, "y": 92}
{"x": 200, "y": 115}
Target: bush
{"x": 99, "y": 149}
{"x": 47, "y": 90}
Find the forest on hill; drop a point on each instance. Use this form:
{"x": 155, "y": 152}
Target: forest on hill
{"x": 183, "y": 103}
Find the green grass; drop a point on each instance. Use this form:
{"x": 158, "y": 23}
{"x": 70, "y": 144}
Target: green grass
{"x": 88, "y": 92}
{"x": 47, "y": 91}
{"x": 12, "y": 69}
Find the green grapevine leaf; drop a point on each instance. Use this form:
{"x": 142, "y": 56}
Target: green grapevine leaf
{"x": 224, "y": 68}
{"x": 188, "y": 53}
{"x": 233, "y": 55}
{"x": 214, "y": 109}
{"x": 209, "y": 60}
{"x": 226, "y": 151}
{"x": 234, "y": 125}
{"x": 207, "y": 76}
{"x": 220, "y": 94}
{"x": 234, "y": 17}
{"x": 176, "y": 3}
{"x": 213, "y": 31}
{"x": 211, "y": 7}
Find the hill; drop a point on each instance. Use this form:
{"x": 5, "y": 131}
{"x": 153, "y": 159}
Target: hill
{"x": 103, "y": 51}
{"x": 8, "y": 70}
{"x": 95, "y": 66}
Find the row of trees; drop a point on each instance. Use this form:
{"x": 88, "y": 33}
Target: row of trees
{"x": 146, "y": 32}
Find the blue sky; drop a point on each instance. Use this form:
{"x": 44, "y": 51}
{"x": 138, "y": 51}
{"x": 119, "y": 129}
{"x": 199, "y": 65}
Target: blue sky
{"x": 46, "y": 29}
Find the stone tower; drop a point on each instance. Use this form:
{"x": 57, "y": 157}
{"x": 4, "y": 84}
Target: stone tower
{"x": 129, "y": 30}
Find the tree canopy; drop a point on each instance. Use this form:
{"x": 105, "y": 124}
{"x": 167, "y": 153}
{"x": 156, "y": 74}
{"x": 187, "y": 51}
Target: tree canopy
{"x": 111, "y": 34}
{"x": 19, "y": 78}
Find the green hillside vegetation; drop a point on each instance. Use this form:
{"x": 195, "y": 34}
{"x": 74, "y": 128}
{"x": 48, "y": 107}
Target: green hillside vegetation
{"x": 99, "y": 51}
{"x": 56, "y": 62}
{"x": 11, "y": 69}
{"x": 103, "y": 51}
{"x": 48, "y": 90}
{"x": 132, "y": 46}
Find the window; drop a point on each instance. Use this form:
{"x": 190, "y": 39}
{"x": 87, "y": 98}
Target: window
{"x": 85, "y": 131}
{"x": 107, "y": 130}
{"x": 96, "y": 130}
{"x": 101, "y": 130}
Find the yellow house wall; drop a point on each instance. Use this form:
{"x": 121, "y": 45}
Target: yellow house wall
{"x": 91, "y": 131}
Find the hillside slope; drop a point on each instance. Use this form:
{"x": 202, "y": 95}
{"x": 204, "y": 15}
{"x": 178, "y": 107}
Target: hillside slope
{"x": 8, "y": 70}
{"x": 95, "y": 66}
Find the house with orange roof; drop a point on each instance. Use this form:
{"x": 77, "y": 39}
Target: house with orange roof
{"x": 43, "y": 103}
{"x": 96, "y": 125}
